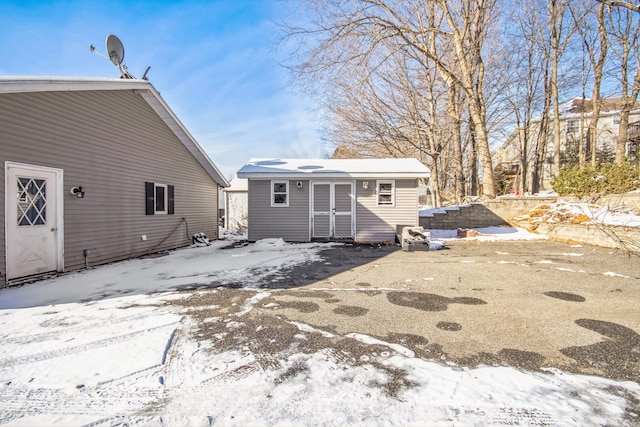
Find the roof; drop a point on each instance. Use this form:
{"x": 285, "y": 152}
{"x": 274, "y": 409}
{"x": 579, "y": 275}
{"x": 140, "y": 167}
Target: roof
{"x": 580, "y": 105}
{"x": 21, "y": 84}
{"x": 334, "y": 168}
{"x": 237, "y": 185}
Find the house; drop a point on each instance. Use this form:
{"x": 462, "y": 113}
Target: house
{"x": 575, "y": 116}
{"x": 95, "y": 171}
{"x": 236, "y": 204}
{"x": 363, "y": 200}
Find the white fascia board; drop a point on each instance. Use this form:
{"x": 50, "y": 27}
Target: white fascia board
{"x": 17, "y": 84}
{"x": 317, "y": 176}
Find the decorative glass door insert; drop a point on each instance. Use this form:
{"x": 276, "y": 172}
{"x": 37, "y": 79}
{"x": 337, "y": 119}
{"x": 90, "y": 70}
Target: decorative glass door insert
{"x": 32, "y": 201}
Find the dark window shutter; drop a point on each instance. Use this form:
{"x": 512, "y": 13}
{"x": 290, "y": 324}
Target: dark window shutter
{"x": 170, "y": 199}
{"x": 150, "y": 196}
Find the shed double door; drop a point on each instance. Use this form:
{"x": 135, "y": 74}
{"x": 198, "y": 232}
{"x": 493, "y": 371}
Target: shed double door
{"x": 333, "y": 205}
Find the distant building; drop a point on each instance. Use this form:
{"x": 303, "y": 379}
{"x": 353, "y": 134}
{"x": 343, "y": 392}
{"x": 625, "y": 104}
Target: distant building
{"x": 574, "y": 123}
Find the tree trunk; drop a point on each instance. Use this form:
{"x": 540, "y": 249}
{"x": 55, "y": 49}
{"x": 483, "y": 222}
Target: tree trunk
{"x": 456, "y": 123}
{"x": 435, "y": 183}
{"x": 473, "y": 162}
{"x": 524, "y": 170}
{"x": 623, "y": 136}
{"x": 555, "y": 54}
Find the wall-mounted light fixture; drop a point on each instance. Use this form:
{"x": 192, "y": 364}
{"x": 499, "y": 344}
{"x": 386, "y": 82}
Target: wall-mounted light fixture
{"x": 365, "y": 184}
{"x": 299, "y": 185}
{"x": 77, "y": 191}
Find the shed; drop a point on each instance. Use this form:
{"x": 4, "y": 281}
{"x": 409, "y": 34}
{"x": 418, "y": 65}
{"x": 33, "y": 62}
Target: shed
{"x": 236, "y": 204}
{"x": 363, "y": 200}
{"x": 95, "y": 171}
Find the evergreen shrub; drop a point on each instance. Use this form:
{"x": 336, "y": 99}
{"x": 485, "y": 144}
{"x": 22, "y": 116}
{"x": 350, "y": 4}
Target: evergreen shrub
{"x": 609, "y": 178}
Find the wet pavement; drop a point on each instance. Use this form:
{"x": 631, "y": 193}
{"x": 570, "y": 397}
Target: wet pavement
{"x": 531, "y": 305}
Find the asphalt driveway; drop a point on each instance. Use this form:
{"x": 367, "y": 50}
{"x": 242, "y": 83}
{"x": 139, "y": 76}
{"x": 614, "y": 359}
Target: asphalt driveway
{"x": 532, "y": 305}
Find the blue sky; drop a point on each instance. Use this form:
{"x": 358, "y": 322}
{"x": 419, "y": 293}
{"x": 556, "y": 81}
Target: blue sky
{"x": 214, "y": 62}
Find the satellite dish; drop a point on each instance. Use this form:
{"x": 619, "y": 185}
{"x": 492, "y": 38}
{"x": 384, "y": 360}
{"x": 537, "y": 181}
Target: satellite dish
{"x": 115, "y": 49}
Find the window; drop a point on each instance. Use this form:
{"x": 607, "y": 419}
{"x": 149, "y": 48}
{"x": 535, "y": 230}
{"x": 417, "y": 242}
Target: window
{"x": 386, "y": 193}
{"x": 32, "y": 201}
{"x": 280, "y": 193}
{"x": 573, "y": 126}
{"x": 160, "y": 199}
{"x": 616, "y": 120}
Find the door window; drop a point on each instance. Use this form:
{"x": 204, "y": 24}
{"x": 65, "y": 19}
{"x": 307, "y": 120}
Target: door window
{"x": 32, "y": 201}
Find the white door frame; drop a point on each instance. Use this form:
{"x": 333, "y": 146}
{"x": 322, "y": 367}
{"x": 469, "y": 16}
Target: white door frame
{"x": 59, "y": 211}
{"x": 332, "y": 210}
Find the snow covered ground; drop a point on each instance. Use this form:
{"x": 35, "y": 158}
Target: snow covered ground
{"x": 109, "y": 346}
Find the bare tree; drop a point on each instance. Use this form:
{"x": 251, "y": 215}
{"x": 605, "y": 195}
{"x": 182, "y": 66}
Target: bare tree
{"x": 560, "y": 36}
{"x": 590, "y": 24}
{"x": 527, "y": 68}
{"x": 622, "y": 4}
{"x": 357, "y": 33}
{"x": 624, "y": 29}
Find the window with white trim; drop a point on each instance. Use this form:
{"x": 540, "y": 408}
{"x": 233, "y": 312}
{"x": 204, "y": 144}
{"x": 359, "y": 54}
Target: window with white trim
{"x": 386, "y": 193}
{"x": 279, "y": 193}
{"x": 160, "y": 196}
{"x": 573, "y": 126}
{"x": 159, "y": 199}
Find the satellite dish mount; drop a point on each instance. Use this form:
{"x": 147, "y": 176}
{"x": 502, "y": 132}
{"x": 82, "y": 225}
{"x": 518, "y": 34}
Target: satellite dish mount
{"x": 115, "y": 50}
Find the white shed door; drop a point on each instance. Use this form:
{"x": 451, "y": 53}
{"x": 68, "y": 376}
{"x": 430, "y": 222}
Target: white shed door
{"x": 332, "y": 210}
{"x": 342, "y": 210}
{"x": 32, "y": 222}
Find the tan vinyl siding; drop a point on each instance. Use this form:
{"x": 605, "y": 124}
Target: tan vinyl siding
{"x": 378, "y": 223}
{"x": 110, "y": 143}
{"x": 290, "y": 223}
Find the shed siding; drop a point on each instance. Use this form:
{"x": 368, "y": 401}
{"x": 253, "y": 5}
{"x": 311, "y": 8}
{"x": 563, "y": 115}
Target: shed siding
{"x": 290, "y": 223}
{"x": 378, "y": 223}
{"x": 110, "y": 143}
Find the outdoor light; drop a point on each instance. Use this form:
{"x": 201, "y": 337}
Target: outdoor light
{"x": 299, "y": 184}
{"x": 77, "y": 191}
{"x": 365, "y": 184}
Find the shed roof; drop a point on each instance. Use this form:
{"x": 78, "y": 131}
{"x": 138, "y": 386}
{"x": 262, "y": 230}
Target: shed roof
{"x": 237, "y": 185}
{"x": 21, "y": 84}
{"x": 334, "y": 168}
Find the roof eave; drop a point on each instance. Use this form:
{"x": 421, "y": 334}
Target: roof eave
{"x": 17, "y": 84}
{"x": 320, "y": 176}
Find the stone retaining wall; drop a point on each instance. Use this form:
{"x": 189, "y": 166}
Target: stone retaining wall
{"x": 502, "y": 211}
{"x": 626, "y": 238}
{"x": 466, "y": 216}
{"x": 511, "y": 207}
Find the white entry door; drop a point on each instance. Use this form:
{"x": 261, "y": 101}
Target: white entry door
{"x": 33, "y": 220}
{"x": 332, "y": 210}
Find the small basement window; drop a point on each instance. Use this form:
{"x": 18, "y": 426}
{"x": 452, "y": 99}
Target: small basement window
{"x": 280, "y": 193}
{"x": 159, "y": 199}
{"x": 386, "y": 193}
